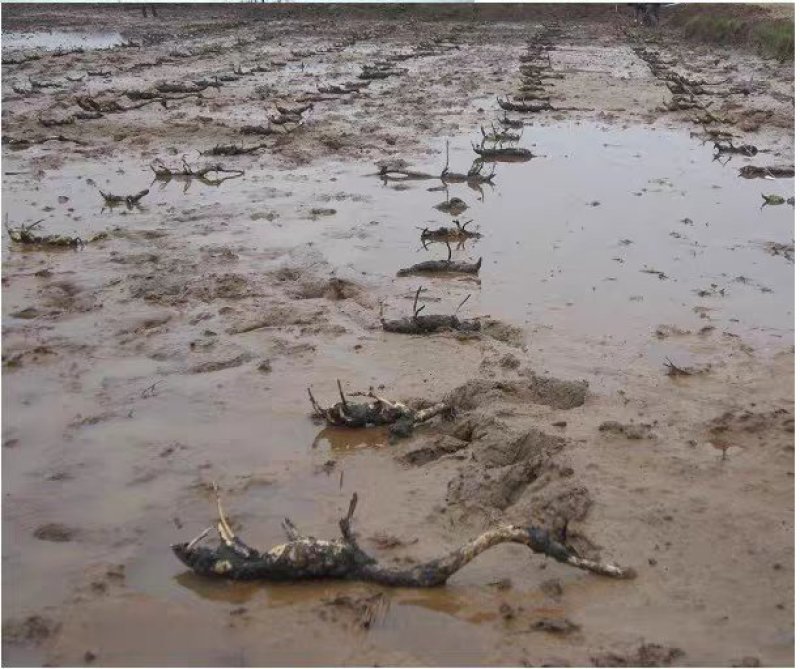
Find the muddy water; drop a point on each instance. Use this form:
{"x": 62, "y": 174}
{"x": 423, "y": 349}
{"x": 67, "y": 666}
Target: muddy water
{"x": 135, "y": 477}
{"x": 568, "y": 235}
{"x": 116, "y": 422}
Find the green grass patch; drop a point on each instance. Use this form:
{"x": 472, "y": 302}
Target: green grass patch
{"x": 775, "y": 39}
{"x": 771, "y": 37}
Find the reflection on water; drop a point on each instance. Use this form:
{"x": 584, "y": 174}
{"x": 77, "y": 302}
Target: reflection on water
{"x": 219, "y": 589}
{"x": 345, "y": 439}
{"x": 568, "y": 238}
{"x": 56, "y": 40}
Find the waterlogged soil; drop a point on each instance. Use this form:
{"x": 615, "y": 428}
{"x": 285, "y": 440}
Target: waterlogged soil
{"x": 175, "y": 350}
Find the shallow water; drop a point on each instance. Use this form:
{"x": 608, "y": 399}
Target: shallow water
{"x": 566, "y": 236}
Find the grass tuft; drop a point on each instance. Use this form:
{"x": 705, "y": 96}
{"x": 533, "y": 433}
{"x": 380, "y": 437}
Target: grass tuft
{"x": 771, "y": 37}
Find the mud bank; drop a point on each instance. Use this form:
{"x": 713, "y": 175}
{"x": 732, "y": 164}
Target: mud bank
{"x": 174, "y": 346}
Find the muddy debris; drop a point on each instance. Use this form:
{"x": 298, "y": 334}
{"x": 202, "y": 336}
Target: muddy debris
{"x": 532, "y": 387}
{"x": 674, "y": 370}
{"x": 775, "y": 171}
{"x": 96, "y": 106}
{"x": 500, "y": 136}
{"x": 219, "y": 365}
{"x": 434, "y": 448}
{"x": 55, "y": 532}
{"x": 457, "y": 233}
{"x": 384, "y": 541}
{"x": 234, "y": 149}
{"x": 504, "y": 332}
{"x": 429, "y": 324}
{"x": 627, "y": 430}
{"x": 379, "y": 411}
{"x": 557, "y": 626}
{"x": 448, "y": 266}
{"x": 503, "y": 154}
{"x": 729, "y": 147}
{"x": 751, "y": 422}
{"x": 454, "y": 206}
{"x": 779, "y": 249}
{"x": 524, "y": 107}
{"x": 256, "y": 130}
{"x": 773, "y": 199}
{"x": 25, "y": 142}
{"x": 204, "y": 173}
{"x": 35, "y": 629}
{"x": 334, "y": 289}
{"x": 369, "y": 72}
{"x": 26, "y": 234}
{"x": 129, "y": 201}
{"x": 365, "y": 610}
{"x": 665, "y": 331}
{"x": 646, "y": 655}
{"x": 552, "y": 587}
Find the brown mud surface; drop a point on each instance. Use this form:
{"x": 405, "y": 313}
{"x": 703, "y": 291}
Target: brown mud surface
{"x": 175, "y": 349}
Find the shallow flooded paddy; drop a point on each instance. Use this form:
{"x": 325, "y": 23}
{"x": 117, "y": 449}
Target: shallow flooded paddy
{"x": 173, "y": 346}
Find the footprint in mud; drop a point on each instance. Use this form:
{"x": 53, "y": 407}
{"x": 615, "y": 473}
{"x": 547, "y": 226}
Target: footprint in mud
{"x": 56, "y": 532}
{"x": 220, "y": 364}
{"x": 646, "y": 655}
{"x": 629, "y": 431}
{"x": 321, "y": 212}
{"x": 34, "y": 630}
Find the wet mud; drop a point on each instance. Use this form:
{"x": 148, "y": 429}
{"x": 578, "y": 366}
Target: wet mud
{"x": 240, "y": 238}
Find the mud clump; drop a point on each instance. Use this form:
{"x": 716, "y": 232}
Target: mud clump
{"x": 471, "y": 428}
{"x": 32, "y": 630}
{"x": 330, "y": 289}
{"x": 508, "y": 334}
{"x": 751, "y": 422}
{"x": 140, "y": 323}
{"x": 287, "y": 274}
{"x": 665, "y": 331}
{"x": 559, "y": 626}
{"x": 509, "y": 361}
{"x": 275, "y": 317}
{"x": 629, "y": 431}
{"x": 384, "y": 541}
{"x": 437, "y": 448}
{"x": 505, "y": 464}
{"x": 552, "y": 588}
{"x": 225, "y": 286}
{"x": 777, "y": 249}
{"x": 363, "y": 611}
{"x": 319, "y": 212}
{"x": 55, "y": 532}
{"x": 536, "y": 389}
{"x": 647, "y": 655}
{"x": 218, "y": 365}
{"x": 556, "y": 393}
{"x": 37, "y": 354}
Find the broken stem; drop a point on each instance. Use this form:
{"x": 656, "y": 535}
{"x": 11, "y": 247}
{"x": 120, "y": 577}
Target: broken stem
{"x": 416, "y": 298}
{"x": 462, "y": 303}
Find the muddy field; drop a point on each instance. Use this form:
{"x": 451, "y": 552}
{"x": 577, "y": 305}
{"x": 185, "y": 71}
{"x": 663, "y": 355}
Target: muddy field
{"x": 629, "y": 389}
